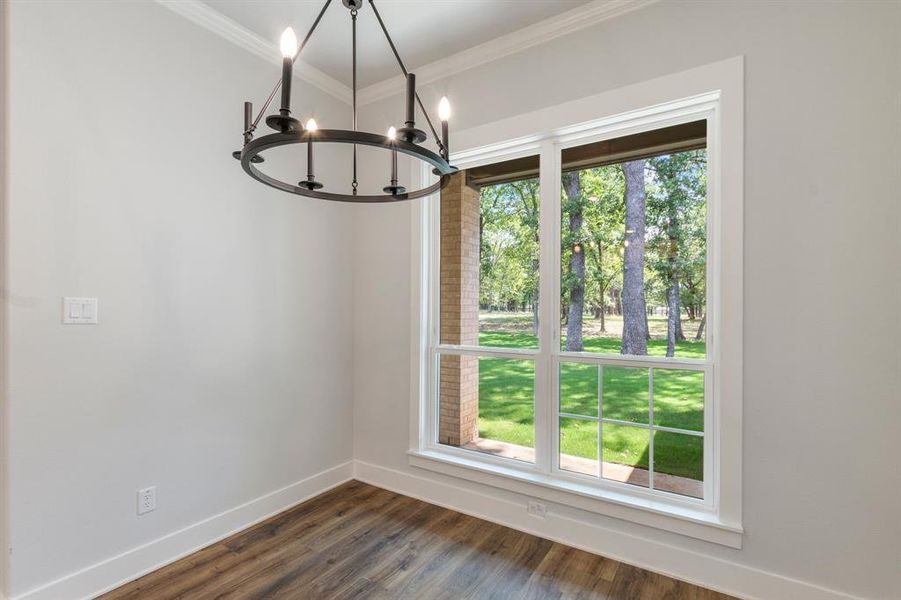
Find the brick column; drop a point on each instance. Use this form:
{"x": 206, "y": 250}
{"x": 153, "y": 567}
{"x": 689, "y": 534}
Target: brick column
{"x": 458, "y": 423}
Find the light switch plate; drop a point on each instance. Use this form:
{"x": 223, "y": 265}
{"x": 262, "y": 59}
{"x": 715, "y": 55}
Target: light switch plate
{"x": 79, "y": 311}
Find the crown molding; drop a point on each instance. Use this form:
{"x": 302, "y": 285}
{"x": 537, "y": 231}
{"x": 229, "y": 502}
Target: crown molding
{"x": 567, "y": 22}
{"x": 211, "y": 19}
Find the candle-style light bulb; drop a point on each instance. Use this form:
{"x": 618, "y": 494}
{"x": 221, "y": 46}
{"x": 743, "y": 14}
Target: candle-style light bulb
{"x": 288, "y": 47}
{"x": 311, "y": 125}
{"x": 444, "y": 113}
{"x": 392, "y": 133}
{"x": 288, "y": 43}
{"x": 444, "y": 109}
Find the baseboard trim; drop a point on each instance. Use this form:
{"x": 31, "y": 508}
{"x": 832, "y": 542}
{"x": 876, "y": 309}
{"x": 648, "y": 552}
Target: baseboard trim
{"x": 136, "y": 562}
{"x": 700, "y": 569}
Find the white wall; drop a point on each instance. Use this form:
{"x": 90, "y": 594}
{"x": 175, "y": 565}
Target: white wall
{"x": 219, "y": 371}
{"x": 822, "y": 360}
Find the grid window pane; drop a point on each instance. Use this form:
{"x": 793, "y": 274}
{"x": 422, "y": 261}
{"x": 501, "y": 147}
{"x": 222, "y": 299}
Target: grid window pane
{"x": 625, "y": 393}
{"x": 679, "y": 463}
{"x": 579, "y": 389}
{"x": 679, "y": 399}
{"x": 579, "y": 446}
{"x": 625, "y": 454}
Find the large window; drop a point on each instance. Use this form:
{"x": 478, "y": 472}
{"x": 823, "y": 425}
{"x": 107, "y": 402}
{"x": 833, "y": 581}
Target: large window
{"x": 573, "y": 320}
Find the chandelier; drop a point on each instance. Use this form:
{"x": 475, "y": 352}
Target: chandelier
{"x": 288, "y": 130}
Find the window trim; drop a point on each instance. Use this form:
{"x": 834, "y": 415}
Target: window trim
{"x": 717, "y": 517}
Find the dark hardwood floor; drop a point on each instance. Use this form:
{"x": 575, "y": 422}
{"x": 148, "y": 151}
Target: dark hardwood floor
{"x": 360, "y": 541}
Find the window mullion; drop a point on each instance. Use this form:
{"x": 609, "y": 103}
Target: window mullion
{"x": 431, "y": 248}
{"x": 546, "y": 376}
{"x": 651, "y": 428}
{"x": 600, "y": 421}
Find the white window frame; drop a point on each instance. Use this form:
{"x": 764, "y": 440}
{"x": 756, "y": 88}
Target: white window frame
{"x": 714, "y": 93}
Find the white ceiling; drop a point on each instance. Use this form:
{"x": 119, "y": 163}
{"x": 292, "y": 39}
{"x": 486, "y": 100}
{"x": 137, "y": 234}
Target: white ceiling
{"x": 423, "y": 30}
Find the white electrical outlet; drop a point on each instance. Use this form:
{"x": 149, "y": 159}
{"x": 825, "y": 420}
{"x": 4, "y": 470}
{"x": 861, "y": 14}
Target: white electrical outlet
{"x": 146, "y": 500}
{"x": 537, "y": 509}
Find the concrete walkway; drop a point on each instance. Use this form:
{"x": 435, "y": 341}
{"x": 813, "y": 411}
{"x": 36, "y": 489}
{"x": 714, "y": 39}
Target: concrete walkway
{"x": 612, "y": 471}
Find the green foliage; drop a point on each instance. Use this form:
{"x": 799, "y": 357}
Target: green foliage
{"x": 676, "y": 187}
{"x": 600, "y": 237}
{"x": 676, "y": 235}
{"x": 676, "y": 222}
{"x": 509, "y": 244}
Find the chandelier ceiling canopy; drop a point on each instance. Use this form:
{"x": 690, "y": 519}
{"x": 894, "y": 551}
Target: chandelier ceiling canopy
{"x": 288, "y": 130}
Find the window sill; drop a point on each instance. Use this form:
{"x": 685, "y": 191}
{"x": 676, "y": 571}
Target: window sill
{"x": 696, "y": 522}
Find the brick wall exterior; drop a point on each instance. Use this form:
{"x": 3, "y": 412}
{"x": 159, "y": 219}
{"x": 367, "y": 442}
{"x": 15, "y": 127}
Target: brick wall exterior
{"x": 458, "y": 421}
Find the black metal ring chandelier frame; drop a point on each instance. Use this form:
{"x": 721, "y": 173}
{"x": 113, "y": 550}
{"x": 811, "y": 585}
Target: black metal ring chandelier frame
{"x": 289, "y": 132}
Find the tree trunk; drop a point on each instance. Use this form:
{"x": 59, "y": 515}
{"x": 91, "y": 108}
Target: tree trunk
{"x": 700, "y": 334}
{"x": 603, "y": 309}
{"x": 573, "y": 188}
{"x": 635, "y": 315}
{"x": 680, "y": 335}
{"x": 602, "y": 286}
{"x": 673, "y": 292}
{"x": 672, "y": 312}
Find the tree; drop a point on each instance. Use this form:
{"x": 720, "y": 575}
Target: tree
{"x": 635, "y": 328}
{"x": 603, "y": 218}
{"x": 676, "y": 212}
{"x": 508, "y": 249}
{"x": 575, "y": 282}
{"x": 527, "y": 190}
{"x": 700, "y": 334}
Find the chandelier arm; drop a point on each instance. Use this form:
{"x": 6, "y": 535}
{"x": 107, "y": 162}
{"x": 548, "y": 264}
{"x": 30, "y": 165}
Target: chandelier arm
{"x": 403, "y": 69}
{"x": 278, "y": 84}
{"x": 306, "y": 38}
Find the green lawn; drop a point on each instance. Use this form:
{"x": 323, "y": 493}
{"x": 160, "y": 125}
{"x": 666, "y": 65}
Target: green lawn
{"x": 506, "y": 405}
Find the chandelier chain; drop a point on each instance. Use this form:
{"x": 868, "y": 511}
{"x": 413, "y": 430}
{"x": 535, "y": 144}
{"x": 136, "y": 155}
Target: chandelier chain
{"x": 353, "y": 28}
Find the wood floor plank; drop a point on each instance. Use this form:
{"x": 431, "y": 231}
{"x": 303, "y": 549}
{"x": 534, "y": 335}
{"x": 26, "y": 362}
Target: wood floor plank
{"x": 450, "y": 549}
{"x": 427, "y": 546}
{"x": 344, "y": 562}
{"x": 359, "y": 541}
{"x": 309, "y": 520}
{"x": 276, "y": 568}
{"x": 570, "y": 573}
{"x": 379, "y": 550}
